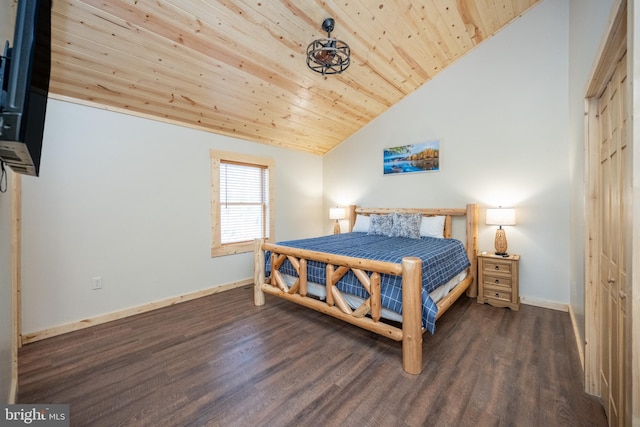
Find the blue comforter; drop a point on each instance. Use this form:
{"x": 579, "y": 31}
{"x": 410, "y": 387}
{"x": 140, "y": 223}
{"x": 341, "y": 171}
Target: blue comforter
{"x": 441, "y": 259}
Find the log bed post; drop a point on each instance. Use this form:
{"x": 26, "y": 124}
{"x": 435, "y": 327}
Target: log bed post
{"x": 412, "y": 315}
{"x": 258, "y": 272}
{"x": 472, "y": 247}
{"x": 352, "y": 216}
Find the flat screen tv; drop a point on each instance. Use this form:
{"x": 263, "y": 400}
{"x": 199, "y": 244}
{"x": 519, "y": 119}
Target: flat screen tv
{"x": 24, "y": 77}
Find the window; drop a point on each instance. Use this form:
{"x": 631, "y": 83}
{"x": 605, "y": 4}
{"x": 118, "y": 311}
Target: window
{"x": 241, "y": 201}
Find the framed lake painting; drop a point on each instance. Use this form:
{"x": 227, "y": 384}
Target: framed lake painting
{"x": 421, "y": 157}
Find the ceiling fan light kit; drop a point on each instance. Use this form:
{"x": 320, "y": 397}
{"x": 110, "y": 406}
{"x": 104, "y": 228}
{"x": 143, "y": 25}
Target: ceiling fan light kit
{"x": 328, "y": 55}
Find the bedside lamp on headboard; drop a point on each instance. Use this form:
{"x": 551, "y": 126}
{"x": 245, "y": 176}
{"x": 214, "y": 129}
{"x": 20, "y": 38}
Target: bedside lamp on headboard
{"x": 337, "y": 214}
{"x": 501, "y": 216}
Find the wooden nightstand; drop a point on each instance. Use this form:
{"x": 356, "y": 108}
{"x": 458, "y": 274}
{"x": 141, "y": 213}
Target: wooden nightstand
{"x": 498, "y": 280}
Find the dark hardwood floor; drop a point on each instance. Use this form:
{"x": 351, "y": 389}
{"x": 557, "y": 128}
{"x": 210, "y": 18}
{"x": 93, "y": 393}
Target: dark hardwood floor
{"x": 220, "y": 361}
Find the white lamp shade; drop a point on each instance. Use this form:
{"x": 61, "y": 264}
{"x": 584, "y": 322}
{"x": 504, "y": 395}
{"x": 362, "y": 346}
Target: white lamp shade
{"x": 337, "y": 213}
{"x": 501, "y": 216}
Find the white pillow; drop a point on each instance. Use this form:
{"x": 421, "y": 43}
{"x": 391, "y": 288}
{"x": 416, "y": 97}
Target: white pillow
{"x": 432, "y": 226}
{"x": 362, "y": 224}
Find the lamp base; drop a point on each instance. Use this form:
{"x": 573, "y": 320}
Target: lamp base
{"x": 501, "y": 242}
{"x": 502, "y": 254}
{"x": 336, "y": 227}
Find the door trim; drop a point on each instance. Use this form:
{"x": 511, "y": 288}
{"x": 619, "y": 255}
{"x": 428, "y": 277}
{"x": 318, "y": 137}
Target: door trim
{"x": 610, "y": 53}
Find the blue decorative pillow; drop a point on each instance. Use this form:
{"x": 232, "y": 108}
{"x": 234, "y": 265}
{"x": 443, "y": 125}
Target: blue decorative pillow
{"x": 380, "y": 225}
{"x": 406, "y": 225}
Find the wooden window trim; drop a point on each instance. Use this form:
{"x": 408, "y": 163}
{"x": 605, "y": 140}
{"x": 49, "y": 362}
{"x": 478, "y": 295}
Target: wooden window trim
{"x": 217, "y": 156}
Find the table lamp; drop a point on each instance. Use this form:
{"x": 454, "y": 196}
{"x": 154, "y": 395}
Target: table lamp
{"x": 337, "y": 214}
{"x": 501, "y": 216}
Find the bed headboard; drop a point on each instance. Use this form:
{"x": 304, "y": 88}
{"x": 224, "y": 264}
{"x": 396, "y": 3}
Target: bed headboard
{"x": 470, "y": 212}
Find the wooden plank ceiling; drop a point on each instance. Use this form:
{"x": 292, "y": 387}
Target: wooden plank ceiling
{"x": 238, "y": 68}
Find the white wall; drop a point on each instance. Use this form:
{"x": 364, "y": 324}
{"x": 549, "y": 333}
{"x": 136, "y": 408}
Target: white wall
{"x": 128, "y": 199}
{"x": 501, "y": 112}
{"x": 8, "y": 9}
{"x": 588, "y": 21}
{"x": 6, "y": 309}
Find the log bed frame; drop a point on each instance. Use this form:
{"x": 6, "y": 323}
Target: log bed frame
{"x": 368, "y": 272}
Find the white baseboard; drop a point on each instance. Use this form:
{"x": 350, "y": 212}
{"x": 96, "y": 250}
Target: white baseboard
{"x": 63, "y": 329}
{"x": 544, "y": 303}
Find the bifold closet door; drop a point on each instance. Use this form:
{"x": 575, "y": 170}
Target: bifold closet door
{"x": 612, "y": 289}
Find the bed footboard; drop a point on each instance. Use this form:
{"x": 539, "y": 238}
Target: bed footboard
{"x": 410, "y": 269}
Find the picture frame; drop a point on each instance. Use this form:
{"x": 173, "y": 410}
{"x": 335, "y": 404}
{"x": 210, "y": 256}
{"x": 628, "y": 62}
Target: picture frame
{"x": 412, "y": 158}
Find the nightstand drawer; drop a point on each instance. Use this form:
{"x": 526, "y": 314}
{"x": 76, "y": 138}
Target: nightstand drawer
{"x": 495, "y": 293}
{"x": 497, "y": 266}
{"x": 497, "y": 281}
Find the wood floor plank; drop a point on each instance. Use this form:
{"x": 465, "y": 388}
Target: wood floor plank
{"x": 221, "y": 361}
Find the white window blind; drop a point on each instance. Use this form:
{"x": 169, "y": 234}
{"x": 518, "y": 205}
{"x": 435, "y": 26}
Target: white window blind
{"x": 244, "y": 202}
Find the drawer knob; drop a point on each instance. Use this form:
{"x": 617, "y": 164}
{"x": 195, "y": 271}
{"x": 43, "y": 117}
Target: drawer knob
{"x": 497, "y": 295}
{"x": 497, "y": 267}
{"x": 497, "y": 280}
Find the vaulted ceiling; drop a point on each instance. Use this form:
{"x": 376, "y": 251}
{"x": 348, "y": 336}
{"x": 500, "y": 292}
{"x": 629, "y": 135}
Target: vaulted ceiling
{"x": 238, "y": 67}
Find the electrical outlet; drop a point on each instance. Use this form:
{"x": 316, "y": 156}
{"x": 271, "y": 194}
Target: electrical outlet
{"x": 96, "y": 283}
